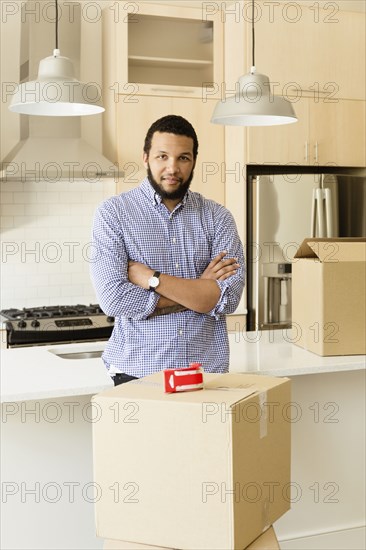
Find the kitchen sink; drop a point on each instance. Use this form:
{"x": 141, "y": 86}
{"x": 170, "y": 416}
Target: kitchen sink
{"x": 78, "y": 354}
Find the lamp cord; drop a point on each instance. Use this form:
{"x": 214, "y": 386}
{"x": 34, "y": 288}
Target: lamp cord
{"x": 253, "y": 35}
{"x": 56, "y": 5}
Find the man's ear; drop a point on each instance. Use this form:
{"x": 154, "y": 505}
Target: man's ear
{"x": 145, "y": 159}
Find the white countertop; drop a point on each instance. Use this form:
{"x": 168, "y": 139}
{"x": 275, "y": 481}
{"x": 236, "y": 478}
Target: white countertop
{"x": 39, "y": 373}
{"x": 273, "y": 353}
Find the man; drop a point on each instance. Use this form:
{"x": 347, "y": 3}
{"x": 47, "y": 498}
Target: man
{"x": 168, "y": 264}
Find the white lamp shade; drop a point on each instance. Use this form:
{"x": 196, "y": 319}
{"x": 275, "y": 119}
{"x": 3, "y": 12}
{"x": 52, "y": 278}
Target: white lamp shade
{"x": 56, "y": 92}
{"x": 253, "y": 105}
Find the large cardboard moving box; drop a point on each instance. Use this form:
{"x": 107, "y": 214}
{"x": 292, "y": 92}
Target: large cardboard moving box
{"x": 208, "y": 469}
{"x": 328, "y": 296}
{"x": 266, "y": 541}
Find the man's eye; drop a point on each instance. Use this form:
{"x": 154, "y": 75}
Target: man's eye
{"x": 185, "y": 158}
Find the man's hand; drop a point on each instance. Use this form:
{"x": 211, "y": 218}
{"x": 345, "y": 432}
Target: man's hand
{"x": 219, "y": 269}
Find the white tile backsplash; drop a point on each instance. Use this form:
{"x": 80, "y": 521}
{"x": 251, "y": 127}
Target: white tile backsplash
{"x": 45, "y": 235}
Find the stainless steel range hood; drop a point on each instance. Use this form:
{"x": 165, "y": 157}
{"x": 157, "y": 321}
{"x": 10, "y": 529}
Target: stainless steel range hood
{"x": 36, "y": 148}
{"x": 55, "y": 159}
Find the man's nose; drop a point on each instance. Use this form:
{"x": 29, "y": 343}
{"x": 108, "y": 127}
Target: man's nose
{"x": 173, "y": 165}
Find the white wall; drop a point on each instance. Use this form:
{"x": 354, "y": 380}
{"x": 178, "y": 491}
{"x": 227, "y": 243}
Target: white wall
{"x": 45, "y": 241}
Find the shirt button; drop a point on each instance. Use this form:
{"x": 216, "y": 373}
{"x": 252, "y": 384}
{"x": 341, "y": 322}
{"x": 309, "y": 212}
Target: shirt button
{"x": 177, "y": 265}
{"x": 174, "y": 240}
{"x": 180, "y": 332}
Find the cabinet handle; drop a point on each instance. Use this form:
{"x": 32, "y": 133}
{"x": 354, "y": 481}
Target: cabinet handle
{"x": 306, "y": 151}
{"x": 316, "y": 151}
{"x": 181, "y": 91}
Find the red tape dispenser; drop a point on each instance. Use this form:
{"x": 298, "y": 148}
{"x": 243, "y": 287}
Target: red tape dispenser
{"x": 187, "y": 379}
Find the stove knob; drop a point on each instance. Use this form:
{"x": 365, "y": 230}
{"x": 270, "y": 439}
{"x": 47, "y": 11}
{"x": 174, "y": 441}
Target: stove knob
{"x": 22, "y": 324}
{"x": 35, "y": 323}
{"x": 110, "y": 319}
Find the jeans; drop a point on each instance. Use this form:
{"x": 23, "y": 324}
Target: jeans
{"x": 122, "y": 378}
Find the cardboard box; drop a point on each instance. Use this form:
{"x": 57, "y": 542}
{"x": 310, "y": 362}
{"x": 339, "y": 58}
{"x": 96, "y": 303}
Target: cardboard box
{"x": 207, "y": 469}
{"x": 266, "y": 541}
{"x": 328, "y": 296}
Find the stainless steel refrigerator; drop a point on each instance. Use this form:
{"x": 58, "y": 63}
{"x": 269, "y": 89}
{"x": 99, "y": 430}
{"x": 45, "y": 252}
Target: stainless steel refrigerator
{"x": 282, "y": 210}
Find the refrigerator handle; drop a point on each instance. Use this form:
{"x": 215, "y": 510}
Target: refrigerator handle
{"x": 329, "y": 212}
{"x": 283, "y": 300}
{"x": 265, "y": 299}
{"x": 320, "y": 211}
{"x": 313, "y": 215}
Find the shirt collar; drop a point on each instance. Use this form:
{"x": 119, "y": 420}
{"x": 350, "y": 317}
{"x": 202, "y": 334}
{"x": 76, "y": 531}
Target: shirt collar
{"x": 154, "y": 197}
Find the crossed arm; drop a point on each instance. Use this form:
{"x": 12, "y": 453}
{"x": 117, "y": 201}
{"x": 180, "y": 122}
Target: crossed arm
{"x": 200, "y": 295}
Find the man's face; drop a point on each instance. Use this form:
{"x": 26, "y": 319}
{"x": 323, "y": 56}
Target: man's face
{"x": 170, "y": 165}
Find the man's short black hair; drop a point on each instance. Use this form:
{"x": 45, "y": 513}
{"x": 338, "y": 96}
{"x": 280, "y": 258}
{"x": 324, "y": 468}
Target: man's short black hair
{"x": 172, "y": 124}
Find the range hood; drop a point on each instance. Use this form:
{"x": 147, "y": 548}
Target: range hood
{"x": 56, "y": 159}
{"x": 36, "y": 148}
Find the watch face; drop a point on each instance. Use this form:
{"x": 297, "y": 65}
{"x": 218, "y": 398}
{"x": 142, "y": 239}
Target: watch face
{"x": 154, "y": 282}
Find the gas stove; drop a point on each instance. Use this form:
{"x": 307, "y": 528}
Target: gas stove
{"x": 54, "y": 324}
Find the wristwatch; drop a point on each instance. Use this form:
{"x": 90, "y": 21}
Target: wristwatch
{"x": 154, "y": 280}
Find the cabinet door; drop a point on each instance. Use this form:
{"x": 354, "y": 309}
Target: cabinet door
{"x": 284, "y": 144}
{"x": 302, "y": 46}
{"x": 136, "y": 114}
{"x": 337, "y": 133}
{"x": 167, "y": 48}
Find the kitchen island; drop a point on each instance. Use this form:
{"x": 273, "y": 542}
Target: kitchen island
{"x": 47, "y": 417}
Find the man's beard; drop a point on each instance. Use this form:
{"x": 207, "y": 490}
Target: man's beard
{"x": 173, "y": 195}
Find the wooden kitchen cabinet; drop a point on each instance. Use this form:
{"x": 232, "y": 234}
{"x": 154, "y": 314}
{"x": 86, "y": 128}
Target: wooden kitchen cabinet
{"x": 136, "y": 114}
{"x": 164, "y": 48}
{"x": 315, "y": 55}
{"x": 337, "y": 133}
{"x": 280, "y": 144}
{"x": 327, "y": 133}
{"x": 310, "y": 46}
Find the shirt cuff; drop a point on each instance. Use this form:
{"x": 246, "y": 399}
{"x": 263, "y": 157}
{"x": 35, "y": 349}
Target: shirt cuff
{"x": 220, "y": 306}
{"x": 151, "y": 304}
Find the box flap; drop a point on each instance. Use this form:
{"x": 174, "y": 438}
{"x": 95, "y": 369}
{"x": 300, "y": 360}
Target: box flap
{"x": 266, "y": 541}
{"x": 228, "y": 389}
{"x": 333, "y": 250}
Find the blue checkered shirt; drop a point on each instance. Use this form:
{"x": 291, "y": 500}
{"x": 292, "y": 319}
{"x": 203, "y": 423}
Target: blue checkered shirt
{"x": 137, "y": 226}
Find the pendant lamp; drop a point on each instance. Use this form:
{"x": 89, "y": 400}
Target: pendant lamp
{"x": 253, "y": 104}
{"x": 56, "y": 92}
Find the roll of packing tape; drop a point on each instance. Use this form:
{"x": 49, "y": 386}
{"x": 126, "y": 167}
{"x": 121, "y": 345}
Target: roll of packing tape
{"x": 186, "y": 379}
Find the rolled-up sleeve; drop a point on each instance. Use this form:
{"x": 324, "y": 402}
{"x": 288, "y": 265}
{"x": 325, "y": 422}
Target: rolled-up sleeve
{"x": 109, "y": 269}
{"x": 227, "y": 238}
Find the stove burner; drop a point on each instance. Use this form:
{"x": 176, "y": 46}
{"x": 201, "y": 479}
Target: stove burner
{"x": 50, "y": 312}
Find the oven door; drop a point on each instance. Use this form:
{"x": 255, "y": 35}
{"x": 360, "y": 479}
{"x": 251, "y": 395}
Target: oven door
{"x": 65, "y": 331}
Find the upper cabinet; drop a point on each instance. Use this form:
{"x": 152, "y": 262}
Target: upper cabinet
{"x": 165, "y": 49}
{"x": 325, "y": 134}
{"x": 314, "y": 57}
{"x": 305, "y": 47}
